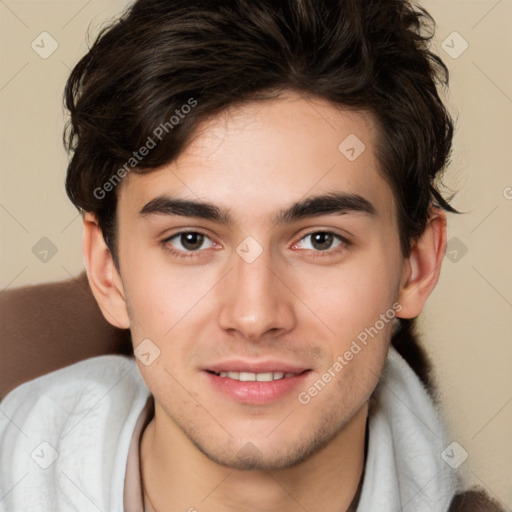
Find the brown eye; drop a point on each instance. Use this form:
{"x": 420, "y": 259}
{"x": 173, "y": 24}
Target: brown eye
{"x": 322, "y": 240}
{"x": 192, "y": 241}
{"x": 189, "y": 241}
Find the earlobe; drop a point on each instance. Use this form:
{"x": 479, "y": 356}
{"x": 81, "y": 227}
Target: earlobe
{"x": 423, "y": 266}
{"x": 104, "y": 278}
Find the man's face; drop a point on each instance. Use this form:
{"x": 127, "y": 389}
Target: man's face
{"x": 260, "y": 294}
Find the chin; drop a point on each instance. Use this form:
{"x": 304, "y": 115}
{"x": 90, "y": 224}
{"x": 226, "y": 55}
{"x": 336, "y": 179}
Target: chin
{"x": 262, "y": 455}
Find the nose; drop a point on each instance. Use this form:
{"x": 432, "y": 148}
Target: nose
{"x": 255, "y": 301}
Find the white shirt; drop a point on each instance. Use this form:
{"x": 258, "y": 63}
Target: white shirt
{"x": 65, "y": 442}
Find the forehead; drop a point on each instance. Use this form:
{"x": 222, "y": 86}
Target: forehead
{"x": 254, "y": 159}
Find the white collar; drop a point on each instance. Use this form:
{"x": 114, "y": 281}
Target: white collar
{"x": 404, "y": 468}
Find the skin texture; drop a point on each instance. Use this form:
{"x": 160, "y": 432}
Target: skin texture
{"x": 295, "y": 303}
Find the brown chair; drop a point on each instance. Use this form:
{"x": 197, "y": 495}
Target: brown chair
{"x": 48, "y": 326}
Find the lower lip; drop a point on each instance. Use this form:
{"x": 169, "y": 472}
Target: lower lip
{"x": 256, "y": 393}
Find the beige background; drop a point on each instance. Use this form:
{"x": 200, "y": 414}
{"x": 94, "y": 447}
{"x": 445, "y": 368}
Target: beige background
{"x": 468, "y": 321}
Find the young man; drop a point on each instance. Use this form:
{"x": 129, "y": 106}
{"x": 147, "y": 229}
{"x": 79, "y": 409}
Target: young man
{"x": 259, "y": 188}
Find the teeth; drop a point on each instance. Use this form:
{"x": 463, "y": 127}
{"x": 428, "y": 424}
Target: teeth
{"x": 256, "y": 377}
{"x": 265, "y": 377}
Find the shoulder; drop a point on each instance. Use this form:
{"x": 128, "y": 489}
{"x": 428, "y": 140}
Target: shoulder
{"x": 95, "y": 370}
{"x": 84, "y": 386}
{"x": 400, "y": 385}
{"x": 67, "y": 434}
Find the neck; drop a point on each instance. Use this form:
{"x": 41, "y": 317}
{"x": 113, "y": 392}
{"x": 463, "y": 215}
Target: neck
{"x": 177, "y": 476}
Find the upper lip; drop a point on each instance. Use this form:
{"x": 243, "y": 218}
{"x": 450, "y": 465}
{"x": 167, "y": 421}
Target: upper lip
{"x": 255, "y": 367}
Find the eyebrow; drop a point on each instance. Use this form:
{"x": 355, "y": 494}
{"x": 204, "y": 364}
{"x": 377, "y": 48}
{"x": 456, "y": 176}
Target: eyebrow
{"x": 328, "y": 204}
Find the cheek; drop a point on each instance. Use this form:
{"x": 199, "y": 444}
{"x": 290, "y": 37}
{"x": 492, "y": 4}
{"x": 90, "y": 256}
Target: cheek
{"x": 360, "y": 375}
{"x": 345, "y": 385}
{"x": 161, "y": 298}
{"x": 350, "y": 298}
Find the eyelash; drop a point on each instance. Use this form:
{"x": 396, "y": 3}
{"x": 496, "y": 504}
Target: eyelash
{"x": 178, "y": 253}
{"x": 316, "y": 254}
{"x": 344, "y": 244}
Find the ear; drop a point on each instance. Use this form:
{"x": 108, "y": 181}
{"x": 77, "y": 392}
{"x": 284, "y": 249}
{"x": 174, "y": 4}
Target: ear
{"x": 104, "y": 278}
{"x": 423, "y": 266}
